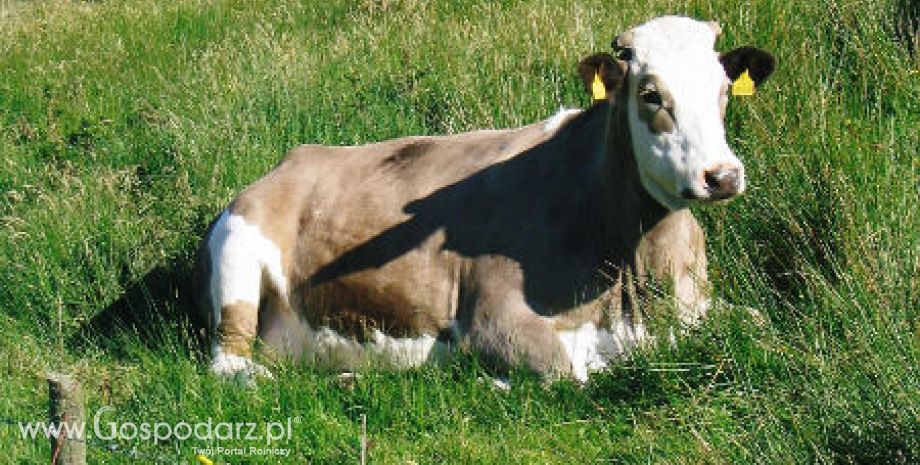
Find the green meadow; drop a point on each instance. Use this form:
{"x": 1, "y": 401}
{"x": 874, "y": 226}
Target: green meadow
{"x": 126, "y": 126}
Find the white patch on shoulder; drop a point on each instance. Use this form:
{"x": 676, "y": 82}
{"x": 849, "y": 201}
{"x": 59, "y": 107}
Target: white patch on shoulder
{"x": 240, "y": 256}
{"x": 591, "y": 348}
{"x": 556, "y": 121}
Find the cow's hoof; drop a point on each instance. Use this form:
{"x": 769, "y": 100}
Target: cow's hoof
{"x": 241, "y": 369}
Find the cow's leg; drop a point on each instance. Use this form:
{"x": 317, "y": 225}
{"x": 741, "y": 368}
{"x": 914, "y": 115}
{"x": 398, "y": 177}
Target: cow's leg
{"x": 236, "y": 285}
{"x": 232, "y": 346}
{"x": 504, "y": 327}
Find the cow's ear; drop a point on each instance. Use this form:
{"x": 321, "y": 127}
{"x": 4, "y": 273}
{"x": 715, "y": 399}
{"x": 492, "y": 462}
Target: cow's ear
{"x": 758, "y": 63}
{"x": 607, "y": 68}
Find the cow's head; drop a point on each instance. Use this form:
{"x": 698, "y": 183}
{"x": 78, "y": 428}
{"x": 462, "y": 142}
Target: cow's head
{"x": 675, "y": 88}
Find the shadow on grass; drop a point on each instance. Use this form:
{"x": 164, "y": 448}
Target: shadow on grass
{"x": 800, "y": 241}
{"x": 869, "y": 438}
{"x": 153, "y": 312}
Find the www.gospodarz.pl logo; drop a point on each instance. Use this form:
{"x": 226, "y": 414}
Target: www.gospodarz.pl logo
{"x": 107, "y": 429}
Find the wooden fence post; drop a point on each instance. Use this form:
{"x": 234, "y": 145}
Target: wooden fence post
{"x": 65, "y": 406}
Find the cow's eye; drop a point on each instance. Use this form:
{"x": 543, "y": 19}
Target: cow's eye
{"x": 651, "y": 97}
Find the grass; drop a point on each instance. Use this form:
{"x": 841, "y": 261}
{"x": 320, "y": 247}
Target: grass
{"x": 126, "y": 126}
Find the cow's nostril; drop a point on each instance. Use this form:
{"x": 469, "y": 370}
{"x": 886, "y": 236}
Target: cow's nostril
{"x": 722, "y": 183}
{"x": 712, "y": 180}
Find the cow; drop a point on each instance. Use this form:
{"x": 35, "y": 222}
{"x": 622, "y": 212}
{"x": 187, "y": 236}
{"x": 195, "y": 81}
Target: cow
{"x": 531, "y": 246}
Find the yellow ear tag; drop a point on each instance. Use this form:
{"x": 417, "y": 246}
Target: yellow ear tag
{"x": 743, "y": 86}
{"x": 598, "y": 88}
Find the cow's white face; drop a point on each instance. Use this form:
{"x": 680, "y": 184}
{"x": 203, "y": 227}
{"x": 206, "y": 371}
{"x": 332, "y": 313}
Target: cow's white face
{"x": 676, "y": 98}
{"x": 675, "y": 94}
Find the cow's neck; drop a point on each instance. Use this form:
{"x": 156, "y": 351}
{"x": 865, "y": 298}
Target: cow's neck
{"x": 620, "y": 209}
